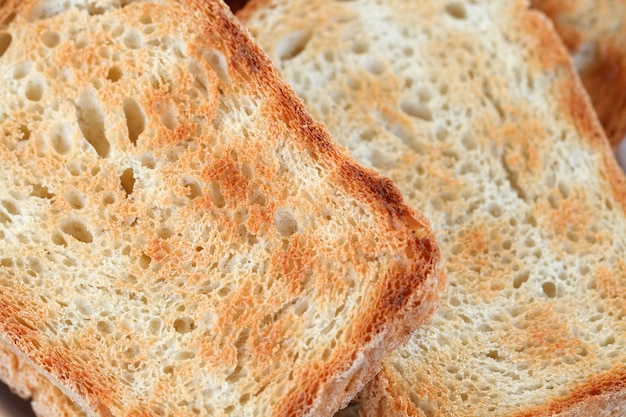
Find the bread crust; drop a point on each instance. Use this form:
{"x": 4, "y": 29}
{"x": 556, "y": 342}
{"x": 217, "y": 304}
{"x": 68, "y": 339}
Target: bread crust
{"x": 475, "y": 110}
{"x": 593, "y": 30}
{"x": 395, "y": 260}
{"x": 46, "y": 399}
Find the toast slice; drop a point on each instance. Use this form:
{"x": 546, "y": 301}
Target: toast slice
{"x": 594, "y": 31}
{"x": 475, "y": 110}
{"x": 178, "y": 236}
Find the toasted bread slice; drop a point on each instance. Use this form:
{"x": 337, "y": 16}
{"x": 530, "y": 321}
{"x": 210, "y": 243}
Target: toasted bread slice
{"x": 475, "y": 110}
{"x": 594, "y": 31}
{"x": 178, "y": 236}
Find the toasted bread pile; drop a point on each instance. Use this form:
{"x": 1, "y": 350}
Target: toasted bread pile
{"x": 184, "y": 239}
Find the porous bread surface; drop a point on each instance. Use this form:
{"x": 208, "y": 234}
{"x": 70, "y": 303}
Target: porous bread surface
{"x": 594, "y": 31}
{"x": 177, "y": 235}
{"x": 474, "y": 109}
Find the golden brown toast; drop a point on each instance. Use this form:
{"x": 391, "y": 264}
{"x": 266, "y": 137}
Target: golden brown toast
{"x": 178, "y": 237}
{"x": 474, "y": 109}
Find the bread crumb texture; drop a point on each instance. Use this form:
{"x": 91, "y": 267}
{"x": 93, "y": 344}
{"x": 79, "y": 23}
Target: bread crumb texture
{"x": 474, "y": 110}
{"x": 177, "y": 236}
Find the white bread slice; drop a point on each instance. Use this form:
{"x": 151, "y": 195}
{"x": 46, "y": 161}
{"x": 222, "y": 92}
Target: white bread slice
{"x": 474, "y": 109}
{"x": 594, "y": 32}
{"x": 178, "y": 237}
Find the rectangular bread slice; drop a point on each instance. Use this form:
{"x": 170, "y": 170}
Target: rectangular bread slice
{"x": 474, "y": 109}
{"x": 178, "y": 237}
{"x": 594, "y": 31}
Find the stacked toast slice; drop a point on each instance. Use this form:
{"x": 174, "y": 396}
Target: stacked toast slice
{"x": 475, "y": 110}
{"x": 178, "y": 237}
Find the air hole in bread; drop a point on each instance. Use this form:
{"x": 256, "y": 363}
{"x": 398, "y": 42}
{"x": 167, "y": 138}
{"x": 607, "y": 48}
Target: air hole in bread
{"x": 184, "y": 325}
{"x": 218, "y": 64}
{"x": 495, "y": 210}
{"x": 184, "y": 355}
{"x": 573, "y": 236}
{"x": 133, "y": 39}
{"x": 469, "y": 142}
{"x": 374, "y": 65}
{"x": 427, "y": 408}
{"x": 169, "y": 117}
{"x": 243, "y": 400}
{"x": 456, "y": 10}
{"x": 135, "y": 119}
{"x": 520, "y": 278}
{"x": 553, "y": 200}
{"x": 549, "y": 289}
{"x": 21, "y": 70}
{"x": 41, "y": 191}
{"x": 144, "y": 261}
{"x": 127, "y": 180}
{"x": 292, "y": 45}
{"x": 145, "y": 19}
{"x": 353, "y": 82}
{"x": 34, "y": 89}
{"x": 91, "y": 122}
{"x": 495, "y": 355}
{"x": 51, "y": 39}
{"x": 257, "y": 197}
{"x": 424, "y": 94}
{"x": 4, "y": 218}
{"x": 215, "y": 194}
{"x": 608, "y": 340}
{"x": 154, "y": 325}
{"x": 114, "y": 74}
{"x": 164, "y": 233}
{"x": 132, "y": 352}
{"x": 80, "y": 44}
{"x": 329, "y": 57}
{"x": 564, "y": 189}
{"x": 10, "y": 207}
{"x": 60, "y": 138}
{"x": 147, "y": 160}
{"x": 75, "y": 199}
{"x": 285, "y": 223}
{"x": 360, "y": 47}
{"x": 416, "y": 109}
{"x": 223, "y": 291}
{"x": 200, "y": 80}
{"x": 108, "y": 198}
{"x": 5, "y": 41}
{"x": 193, "y": 186}
{"x": 83, "y": 307}
{"x": 117, "y": 31}
{"x": 77, "y": 230}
